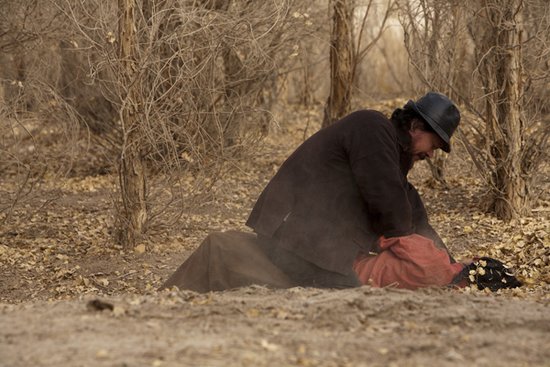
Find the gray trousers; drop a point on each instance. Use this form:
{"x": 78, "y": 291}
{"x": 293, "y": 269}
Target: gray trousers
{"x": 226, "y": 260}
{"x": 233, "y": 259}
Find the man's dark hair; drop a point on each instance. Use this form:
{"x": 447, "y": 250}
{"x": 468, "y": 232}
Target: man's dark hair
{"x": 402, "y": 119}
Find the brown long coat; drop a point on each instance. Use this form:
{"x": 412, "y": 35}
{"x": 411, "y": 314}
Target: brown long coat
{"x": 339, "y": 191}
{"x": 227, "y": 260}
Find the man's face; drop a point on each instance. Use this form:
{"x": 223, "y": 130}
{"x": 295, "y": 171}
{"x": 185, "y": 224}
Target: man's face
{"x": 424, "y": 143}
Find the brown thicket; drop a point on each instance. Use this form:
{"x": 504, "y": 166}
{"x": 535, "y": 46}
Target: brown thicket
{"x": 516, "y": 137}
{"x": 438, "y": 46}
{"x": 490, "y": 57}
{"x": 341, "y": 61}
{"x": 200, "y": 81}
{"x": 347, "y": 51}
{"x": 512, "y": 40}
{"x": 27, "y": 32}
{"x": 184, "y": 86}
{"x": 191, "y": 83}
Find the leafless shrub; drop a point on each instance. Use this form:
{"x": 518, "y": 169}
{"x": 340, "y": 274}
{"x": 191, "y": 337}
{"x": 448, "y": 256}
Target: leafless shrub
{"x": 372, "y": 22}
{"x": 22, "y": 22}
{"x": 198, "y": 83}
{"x": 28, "y": 30}
{"x": 439, "y": 48}
{"x": 512, "y": 75}
{"x": 347, "y": 50}
{"x": 306, "y": 83}
{"x": 490, "y": 57}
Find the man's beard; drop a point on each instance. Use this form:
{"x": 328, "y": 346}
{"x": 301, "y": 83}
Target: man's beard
{"x": 406, "y": 161}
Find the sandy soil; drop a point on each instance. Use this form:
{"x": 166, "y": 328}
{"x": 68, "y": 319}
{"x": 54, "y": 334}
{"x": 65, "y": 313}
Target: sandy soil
{"x": 298, "y": 327}
{"x": 56, "y": 260}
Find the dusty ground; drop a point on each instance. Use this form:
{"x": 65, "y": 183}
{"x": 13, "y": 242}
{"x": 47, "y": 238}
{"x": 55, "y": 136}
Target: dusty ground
{"x": 298, "y": 327}
{"x": 56, "y": 260}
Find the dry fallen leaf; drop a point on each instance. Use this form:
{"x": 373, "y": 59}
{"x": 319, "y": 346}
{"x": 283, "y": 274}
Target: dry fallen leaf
{"x": 269, "y": 346}
{"x": 140, "y": 249}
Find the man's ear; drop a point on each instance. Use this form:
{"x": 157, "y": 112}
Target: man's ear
{"x": 414, "y": 124}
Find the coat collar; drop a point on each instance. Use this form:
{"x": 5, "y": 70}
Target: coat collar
{"x": 404, "y": 145}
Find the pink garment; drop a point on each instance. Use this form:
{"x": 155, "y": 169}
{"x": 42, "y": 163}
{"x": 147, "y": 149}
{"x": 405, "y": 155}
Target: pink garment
{"x": 408, "y": 262}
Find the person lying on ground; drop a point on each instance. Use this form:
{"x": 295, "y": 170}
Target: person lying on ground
{"x": 411, "y": 263}
{"x": 234, "y": 259}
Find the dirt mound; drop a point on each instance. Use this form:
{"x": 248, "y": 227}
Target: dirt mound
{"x": 260, "y": 327}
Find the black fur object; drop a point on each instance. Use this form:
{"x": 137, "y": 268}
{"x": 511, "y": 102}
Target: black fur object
{"x": 486, "y": 272}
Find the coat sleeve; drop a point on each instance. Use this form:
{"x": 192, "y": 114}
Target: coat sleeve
{"x": 408, "y": 262}
{"x": 420, "y": 220}
{"x": 374, "y": 159}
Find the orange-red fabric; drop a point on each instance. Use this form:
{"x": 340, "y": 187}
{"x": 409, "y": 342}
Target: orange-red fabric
{"x": 408, "y": 262}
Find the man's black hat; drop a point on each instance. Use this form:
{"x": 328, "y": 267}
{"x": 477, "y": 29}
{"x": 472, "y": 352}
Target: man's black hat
{"x": 440, "y": 113}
